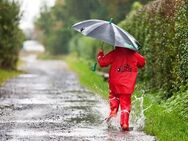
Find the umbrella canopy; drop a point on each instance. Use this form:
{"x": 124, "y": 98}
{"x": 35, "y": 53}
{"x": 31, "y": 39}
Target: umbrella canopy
{"x": 107, "y": 32}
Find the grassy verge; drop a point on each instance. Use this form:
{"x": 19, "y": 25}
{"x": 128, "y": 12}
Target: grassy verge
{"x": 166, "y": 126}
{"x": 7, "y": 74}
{"x": 87, "y": 77}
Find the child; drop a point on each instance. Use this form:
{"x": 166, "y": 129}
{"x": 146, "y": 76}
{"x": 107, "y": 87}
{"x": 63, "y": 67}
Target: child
{"x": 122, "y": 78}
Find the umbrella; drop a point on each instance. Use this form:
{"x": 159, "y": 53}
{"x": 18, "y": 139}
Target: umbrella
{"x": 107, "y": 32}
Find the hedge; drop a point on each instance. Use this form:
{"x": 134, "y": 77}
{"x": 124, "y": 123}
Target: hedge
{"x": 161, "y": 27}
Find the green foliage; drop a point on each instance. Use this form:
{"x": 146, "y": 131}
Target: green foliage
{"x": 84, "y": 47}
{"x": 118, "y": 9}
{"x": 179, "y": 103}
{"x": 45, "y": 21}
{"x": 11, "y": 36}
{"x": 163, "y": 34}
{"x": 166, "y": 126}
{"x": 81, "y": 9}
{"x": 59, "y": 42}
{"x": 181, "y": 43}
{"x": 5, "y": 75}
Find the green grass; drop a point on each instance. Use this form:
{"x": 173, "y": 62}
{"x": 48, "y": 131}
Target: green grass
{"x": 87, "y": 77}
{"x": 166, "y": 126}
{"x": 7, "y": 74}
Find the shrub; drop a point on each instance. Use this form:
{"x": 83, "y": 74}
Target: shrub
{"x": 11, "y": 36}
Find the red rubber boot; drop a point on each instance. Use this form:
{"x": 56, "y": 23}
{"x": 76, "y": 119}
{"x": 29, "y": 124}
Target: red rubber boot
{"x": 114, "y": 105}
{"x": 125, "y": 103}
{"x": 124, "y": 120}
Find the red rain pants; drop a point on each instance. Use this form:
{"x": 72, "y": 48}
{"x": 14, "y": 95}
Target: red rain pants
{"x": 124, "y": 100}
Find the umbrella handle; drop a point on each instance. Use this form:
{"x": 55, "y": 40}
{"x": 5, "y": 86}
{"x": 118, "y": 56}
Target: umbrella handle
{"x": 94, "y": 67}
{"x": 110, "y": 21}
{"x": 102, "y": 46}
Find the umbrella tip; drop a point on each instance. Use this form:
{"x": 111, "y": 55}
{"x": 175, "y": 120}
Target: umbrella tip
{"x": 110, "y": 21}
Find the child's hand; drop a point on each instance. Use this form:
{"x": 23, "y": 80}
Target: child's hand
{"x": 100, "y": 50}
{"x": 100, "y": 53}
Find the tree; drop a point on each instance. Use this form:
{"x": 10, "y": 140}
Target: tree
{"x": 11, "y": 36}
{"x": 55, "y": 24}
{"x": 118, "y": 9}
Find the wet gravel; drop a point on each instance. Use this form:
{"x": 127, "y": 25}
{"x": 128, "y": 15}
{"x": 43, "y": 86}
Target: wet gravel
{"x": 48, "y": 104}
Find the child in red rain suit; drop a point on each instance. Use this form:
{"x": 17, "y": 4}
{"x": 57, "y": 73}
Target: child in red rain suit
{"x": 122, "y": 78}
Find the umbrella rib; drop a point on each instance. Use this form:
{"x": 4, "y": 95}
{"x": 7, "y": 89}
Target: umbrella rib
{"x": 95, "y": 20}
{"x": 128, "y": 35}
{"x": 81, "y": 26}
{"x": 113, "y": 33}
{"x": 95, "y": 29}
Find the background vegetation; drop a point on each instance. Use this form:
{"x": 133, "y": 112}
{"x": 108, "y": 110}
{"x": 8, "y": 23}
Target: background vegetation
{"x": 11, "y": 36}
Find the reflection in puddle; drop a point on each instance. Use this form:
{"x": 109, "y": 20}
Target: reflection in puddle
{"x": 27, "y": 75}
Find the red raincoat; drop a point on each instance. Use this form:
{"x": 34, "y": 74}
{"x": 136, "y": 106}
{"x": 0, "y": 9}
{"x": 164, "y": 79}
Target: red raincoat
{"x": 124, "y": 68}
{"x": 122, "y": 78}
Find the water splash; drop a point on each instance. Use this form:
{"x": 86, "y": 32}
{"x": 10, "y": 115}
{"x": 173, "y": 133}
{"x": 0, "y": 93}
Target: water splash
{"x": 137, "y": 114}
{"x": 114, "y": 123}
{"x": 137, "y": 117}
